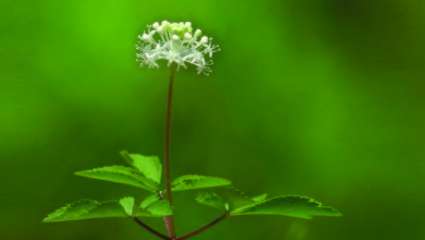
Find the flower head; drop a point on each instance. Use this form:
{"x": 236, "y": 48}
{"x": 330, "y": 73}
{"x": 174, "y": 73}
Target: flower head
{"x": 176, "y": 43}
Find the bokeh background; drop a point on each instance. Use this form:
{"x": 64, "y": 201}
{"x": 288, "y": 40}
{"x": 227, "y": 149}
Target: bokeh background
{"x": 324, "y": 98}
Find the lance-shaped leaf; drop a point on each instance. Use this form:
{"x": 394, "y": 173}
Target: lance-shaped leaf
{"x": 149, "y": 166}
{"x": 120, "y": 174}
{"x": 191, "y": 182}
{"x": 89, "y": 209}
{"x": 291, "y": 206}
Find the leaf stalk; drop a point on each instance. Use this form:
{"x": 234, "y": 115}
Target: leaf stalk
{"x": 150, "y": 229}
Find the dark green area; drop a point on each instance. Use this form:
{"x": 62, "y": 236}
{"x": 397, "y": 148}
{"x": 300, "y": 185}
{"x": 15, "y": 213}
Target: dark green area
{"x": 321, "y": 98}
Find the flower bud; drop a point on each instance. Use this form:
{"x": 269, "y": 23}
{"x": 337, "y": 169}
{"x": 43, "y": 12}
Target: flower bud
{"x": 145, "y": 37}
{"x": 175, "y": 37}
{"x": 187, "y": 36}
{"x": 198, "y": 33}
{"x": 204, "y": 40}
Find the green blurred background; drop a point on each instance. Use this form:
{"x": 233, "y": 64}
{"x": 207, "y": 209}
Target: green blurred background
{"x": 324, "y": 98}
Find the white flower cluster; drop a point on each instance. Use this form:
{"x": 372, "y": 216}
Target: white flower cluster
{"x": 176, "y": 43}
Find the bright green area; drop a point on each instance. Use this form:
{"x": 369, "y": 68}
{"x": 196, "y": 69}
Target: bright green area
{"x": 120, "y": 174}
{"x": 123, "y": 208}
{"x": 150, "y": 166}
{"x": 319, "y": 98}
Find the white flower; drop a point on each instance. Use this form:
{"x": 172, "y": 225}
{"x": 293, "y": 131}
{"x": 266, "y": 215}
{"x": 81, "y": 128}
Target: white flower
{"x": 188, "y": 36}
{"x": 176, "y": 43}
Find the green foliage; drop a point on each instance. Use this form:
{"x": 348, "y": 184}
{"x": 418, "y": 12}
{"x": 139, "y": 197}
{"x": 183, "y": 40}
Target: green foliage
{"x": 120, "y": 174}
{"x": 149, "y": 200}
{"x": 292, "y": 206}
{"x": 87, "y": 209}
{"x": 156, "y": 207}
{"x": 212, "y": 199}
{"x": 229, "y": 198}
{"x": 191, "y": 182}
{"x": 149, "y": 166}
{"x": 125, "y": 207}
{"x": 145, "y": 172}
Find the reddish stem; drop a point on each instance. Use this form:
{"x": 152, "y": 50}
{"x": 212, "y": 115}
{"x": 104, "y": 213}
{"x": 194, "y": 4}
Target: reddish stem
{"x": 150, "y": 229}
{"x": 169, "y": 220}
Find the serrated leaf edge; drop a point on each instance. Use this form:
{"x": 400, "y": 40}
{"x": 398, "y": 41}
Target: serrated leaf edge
{"x": 146, "y": 183}
{"x": 179, "y": 179}
{"x": 238, "y": 211}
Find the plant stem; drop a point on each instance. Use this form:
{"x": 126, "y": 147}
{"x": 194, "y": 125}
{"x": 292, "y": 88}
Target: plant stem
{"x": 169, "y": 220}
{"x": 150, "y": 230}
{"x": 204, "y": 228}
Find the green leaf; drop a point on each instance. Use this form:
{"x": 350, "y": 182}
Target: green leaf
{"x": 212, "y": 199}
{"x": 120, "y": 174}
{"x": 156, "y": 207}
{"x": 237, "y": 203}
{"x": 86, "y": 209}
{"x": 191, "y": 182}
{"x": 228, "y": 198}
{"x": 149, "y": 200}
{"x": 160, "y": 209}
{"x": 128, "y": 205}
{"x": 291, "y": 206}
{"x": 149, "y": 166}
{"x": 92, "y": 209}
